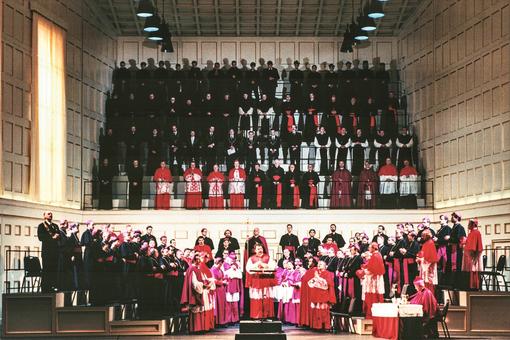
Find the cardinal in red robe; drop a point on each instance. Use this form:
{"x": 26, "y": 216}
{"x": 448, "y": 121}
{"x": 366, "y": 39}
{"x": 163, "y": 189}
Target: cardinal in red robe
{"x": 367, "y": 187}
{"x": 198, "y": 295}
{"x": 193, "y": 189}
{"x": 216, "y": 180}
{"x": 472, "y": 261}
{"x": 373, "y": 280}
{"x": 321, "y": 296}
{"x": 261, "y": 282}
{"x": 426, "y": 298}
{"x": 427, "y": 261}
{"x": 163, "y": 178}
{"x": 341, "y": 188}
{"x": 236, "y": 186}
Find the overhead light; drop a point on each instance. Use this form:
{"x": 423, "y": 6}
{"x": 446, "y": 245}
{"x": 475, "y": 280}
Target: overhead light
{"x": 155, "y": 36}
{"x": 375, "y": 10}
{"x": 348, "y": 41}
{"x": 367, "y": 24}
{"x": 359, "y": 34}
{"x": 167, "y": 46}
{"x": 152, "y": 23}
{"x": 145, "y": 9}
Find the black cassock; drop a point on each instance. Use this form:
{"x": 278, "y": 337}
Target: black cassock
{"x": 291, "y": 194}
{"x": 135, "y": 177}
{"x": 291, "y": 242}
{"x": 49, "y": 255}
{"x": 275, "y": 178}
{"x": 309, "y": 190}
{"x": 337, "y": 238}
{"x": 88, "y": 259}
{"x": 105, "y": 176}
{"x": 256, "y": 189}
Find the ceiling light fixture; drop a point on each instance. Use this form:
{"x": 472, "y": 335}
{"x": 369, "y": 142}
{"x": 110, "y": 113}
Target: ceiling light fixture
{"x": 145, "y": 9}
{"x": 152, "y": 23}
{"x": 375, "y": 10}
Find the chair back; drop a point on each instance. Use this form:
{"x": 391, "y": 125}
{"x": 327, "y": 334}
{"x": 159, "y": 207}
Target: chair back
{"x": 501, "y": 264}
{"x": 352, "y": 305}
{"x": 345, "y": 305}
{"x": 445, "y": 310}
{"x": 484, "y": 262}
{"x": 32, "y": 266}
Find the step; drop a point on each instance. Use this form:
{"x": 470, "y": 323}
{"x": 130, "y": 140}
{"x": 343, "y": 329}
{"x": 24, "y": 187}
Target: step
{"x": 259, "y": 326}
{"x": 138, "y": 327}
{"x": 78, "y": 320}
{"x": 362, "y": 326}
{"x": 259, "y": 336}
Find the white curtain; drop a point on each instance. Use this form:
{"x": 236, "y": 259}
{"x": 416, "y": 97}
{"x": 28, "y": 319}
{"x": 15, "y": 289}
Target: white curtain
{"x": 48, "y": 149}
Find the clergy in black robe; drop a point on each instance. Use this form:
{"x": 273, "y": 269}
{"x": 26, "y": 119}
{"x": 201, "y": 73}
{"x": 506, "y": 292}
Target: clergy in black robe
{"x": 174, "y": 147}
{"x": 304, "y": 249}
{"x": 135, "y": 177}
{"x": 457, "y": 240}
{"x": 291, "y": 192}
{"x": 233, "y": 242}
{"x": 359, "y": 143}
{"x": 132, "y": 141}
{"x": 322, "y": 142}
{"x": 257, "y": 187}
{"x": 269, "y": 80}
{"x": 350, "y": 115}
{"x": 294, "y": 143}
{"x": 49, "y": 235}
{"x": 88, "y": 261}
{"x": 353, "y": 284}
{"x": 190, "y": 117}
{"x": 337, "y": 238}
{"x": 404, "y": 143}
{"x": 251, "y": 81}
{"x": 380, "y": 238}
{"x": 154, "y": 147}
{"x": 273, "y": 147}
{"x": 313, "y": 242}
{"x": 105, "y": 177}
{"x": 275, "y": 176}
{"x": 75, "y": 258}
{"x": 340, "y": 149}
{"x": 382, "y": 145}
{"x": 250, "y": 145}
{"x": 207, "y": 240}
{"x": 296, "y": 79}
{"x": 289, "y": 241}
{"x": 210, "y": 149}
{"x": 444, "y": 251}
{"x": 409, "y": 267}
{"x": 309, "y": 190}
{"x": 311, "y": 109}
{"x": 208, "y": 113}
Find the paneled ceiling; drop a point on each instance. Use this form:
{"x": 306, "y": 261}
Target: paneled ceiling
{"x": 231, "y": 18}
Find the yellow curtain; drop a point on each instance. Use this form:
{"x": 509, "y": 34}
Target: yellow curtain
{"x": 48, "y": 149}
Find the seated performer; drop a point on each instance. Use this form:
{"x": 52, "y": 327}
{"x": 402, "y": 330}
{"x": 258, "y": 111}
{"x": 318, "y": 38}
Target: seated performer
{"x": 426, "y": 298}
{"x": 260, "y": 280}
{"x": 198, "y": 295}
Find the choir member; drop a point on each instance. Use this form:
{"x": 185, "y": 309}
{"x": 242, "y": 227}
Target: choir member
{"x": 350, "y": 115}
{"x": 147, "y": 237}
{"x": 154, "y": 149}
{"x": 388, "y": 177}
{"x": 294, "y": 143}
{"x": 207, "y": 240}
{"x": 261, "y": 284}
{"x": 342, "y": 143}
{"x": 256, "y": 186}
{"x": 382, "y": 147}
{"x": 163, "y": 179}
{"x": 296, "y": 78}
{"x": 193, "y": 188}
{"x": 250, "y": 145}
{"x": 425, "y": 298}
{"x": 135, "y": 178}
{"x": 337, "y": 238}
{"x": 252, "y": 80}
{"x": 367, "y": 188}
{"x": 215, "y": 179}
{"x": 289, "y": 241}
{"x": 291, "y": 181}
{"x": 311, "y": 119}
{"x": 323, "y": 143}
{"x": 133, "y": 142}
{"x": 105, "y": 176}
{"x": 321, "y": 290}
{"x": 287, "y": 256}
{"x": 210, "y": 149}
{"x": 304, "y": 250}
{"x": 49, "y": 235}
{"x": 273, "y": 147}
{"x": 427, "y": 261}
{"x": 191, "y": 147}
{"x": 275, "y": 176}
{"x": 253, "y": 240}
{"x": 359, "y": 145}
{"x": 472, "y": 260}
{"x": 404, "y": 143}
{"x": 174, "y": 147}
{"x": 444, "y": 250}
{"x": 309, "y": 191}
{"x": 341, "y": 187}
{"x": 352, "y": 284}
{"x": 198, "y": 295}
{"x": 331, "y": 118}
{"x": 246, "y": 118}
{"x": 233, "y": 243}
{"x": 313, "y": 241}
{"x": 408, "y": 178}
{"x": 220, "y": 281}
{"x": 373, "y": 280}
{"x": 88, "y": 260}
{"x": 288, "y": 297}
{"x": 236, "y": 186}
{"x": 269, "y": 79}
{"x": 457, "y": 241}
{"x": 202, "y": 247}
{"x": 234, "y": 290}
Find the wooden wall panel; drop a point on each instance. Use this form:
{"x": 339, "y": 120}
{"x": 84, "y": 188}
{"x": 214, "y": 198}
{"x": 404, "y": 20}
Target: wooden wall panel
{"x": 306, "y": 52}
{"x": 228, "y": 50}
{"x": 268, "y": 52}
{"x": 189, "y": 51}
{"x": 209, "y": 52}
{"x": 326, "y": 52}
{"x": 248, "y": 51}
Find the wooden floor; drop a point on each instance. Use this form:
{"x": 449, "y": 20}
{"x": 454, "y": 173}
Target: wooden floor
{"x": 293, "y": 333}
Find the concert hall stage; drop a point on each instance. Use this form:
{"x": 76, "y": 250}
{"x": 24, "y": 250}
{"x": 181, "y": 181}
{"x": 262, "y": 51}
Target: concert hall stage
{"x": 480, "y": 315}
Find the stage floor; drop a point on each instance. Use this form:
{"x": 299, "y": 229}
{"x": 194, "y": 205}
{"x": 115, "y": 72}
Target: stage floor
{"x": 293, "y": 333}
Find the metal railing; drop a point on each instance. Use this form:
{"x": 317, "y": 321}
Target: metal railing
{"x": 14, "y": 268}
{"x": 117, "y": 197}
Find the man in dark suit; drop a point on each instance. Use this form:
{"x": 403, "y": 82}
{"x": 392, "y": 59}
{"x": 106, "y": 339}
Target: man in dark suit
{"x": 48, "y": 233}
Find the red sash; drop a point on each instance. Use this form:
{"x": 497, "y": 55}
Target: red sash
{"x": 372, "y": 121}
{"x": 407, "y": 262}
{"x": 290, "y": 121}
{"x": 354, "y": 120}
{"x": 313, "y": 194}
{"x": 338, "y": 125}
{"x": 455, "y": 247}
{"x": 315, "y": 117}
{"x": 259, "y": 192}
{"x": 443, "y": 257}
{"x": 295, "y": 194}
{"x": 276, "y": 178}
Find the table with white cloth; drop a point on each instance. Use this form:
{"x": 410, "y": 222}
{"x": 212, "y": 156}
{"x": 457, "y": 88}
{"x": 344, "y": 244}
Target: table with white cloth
{"x": 397, "y": 321}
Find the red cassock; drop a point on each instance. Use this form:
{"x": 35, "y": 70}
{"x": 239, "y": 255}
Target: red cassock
{"x": 236, "y": 187}
{"x": 425, "y": 298}
{"x": 341, "y": 189}
{"x": 321, "y": 297}
{"x": 215, "y": 180}
{"x": 367, "y": 189}
{"x": 163, "y": 179}
{"x": 329, "y": 246}
{"x": 471, "y": 261}
{"x": 204, "y": 249}
{"x": 427, "y": 258}
{"x": 198, "y": 296}
{"x": 373, "y": 283}
{"x": 261, "y": 287}
{"x": 193, "y": 197}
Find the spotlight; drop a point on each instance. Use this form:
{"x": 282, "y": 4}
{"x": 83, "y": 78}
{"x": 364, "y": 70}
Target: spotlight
{"x": 167, "y": 46}
{"x": 155, "y": 36}
{"x": 375, "y": 10}
{"x": 152, "y": 23}
{"x": 360, "y": 35}
{"x": 348, "y": 41}
{"x": 145, "y": 9}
